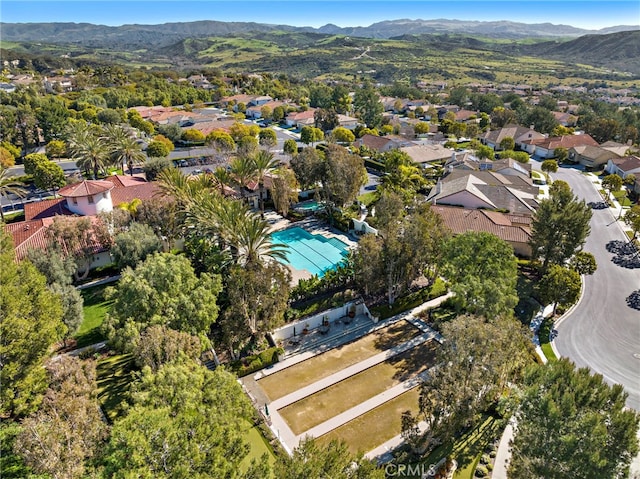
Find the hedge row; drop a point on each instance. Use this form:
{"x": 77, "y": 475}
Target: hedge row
{"x": 255, "y": 362}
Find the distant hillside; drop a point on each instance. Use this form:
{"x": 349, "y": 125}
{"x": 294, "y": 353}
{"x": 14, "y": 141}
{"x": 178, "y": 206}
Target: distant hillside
{"x": 169, "y": 33}
{"x": 617, "y": 51}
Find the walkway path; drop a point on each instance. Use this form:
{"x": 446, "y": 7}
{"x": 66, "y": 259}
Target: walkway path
{"x": 504, "y": 454}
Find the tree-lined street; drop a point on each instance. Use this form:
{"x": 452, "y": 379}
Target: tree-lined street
{"x": 603, "y": 332}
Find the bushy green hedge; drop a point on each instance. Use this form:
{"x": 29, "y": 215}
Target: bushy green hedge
{"x": 255, "y": 362}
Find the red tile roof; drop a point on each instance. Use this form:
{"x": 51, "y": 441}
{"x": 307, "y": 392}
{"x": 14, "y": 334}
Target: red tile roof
{"x": 566, "y": 141}
{"x": 511, "y": 228}
{"x": 46, "y": 209}
{"x": 144, "y": 191}
{"x": 85, "y": 188}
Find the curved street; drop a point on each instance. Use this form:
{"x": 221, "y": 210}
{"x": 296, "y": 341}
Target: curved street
{"x": 603, "y": 332}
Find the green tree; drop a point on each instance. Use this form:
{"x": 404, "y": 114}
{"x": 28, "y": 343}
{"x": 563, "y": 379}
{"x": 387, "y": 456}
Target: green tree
{"x": 483, "y": 271}
{"x": 49, "y": 176}
{"x": 542, "y": 119}
{"x": 29, "y": 324}
{"x": 7, "y": 160}
{"x": 109, "y": 116}
{"x": 56, "y": 149}
{"x": 290, "y": 147}
{"x": 163, "y": 290}
{"x": 311, "y": 461}
{"x": 222, "y": 143}
{"x": 193, "y": 136}
{"x": 56, "y": 267}
{"x": 549, "y": 166}
{"x": 594, "y": 434}
{"x": 68, "y": 430}
{"x": 185, "y": 421}
{"x": 125, "y": 150}
{"x": 310, "y": 134}
{"x": 583, "y": 263}
{"x": 519, "y": 156}
{"x": 72, "y": 307}
{"x": 267, "y": 137}
{"x": 32, "y": 160}
{"x": 264, "y": 164}
{"x": 632, "y": 219}
{"x": 157, "y": 149}
{"x": 284, "y": 189}
{"x": 160, "y": 345}
{"x": 326, "y": 120}
{"x": 368, "y": 106}
{"x": 559, "y": 286}
{"x": 402, "y": 175}
{"x": 52, "y": 115}
{"x": 507, "y": 143}
{"x": 8, "y": 187}
{"x": 257, "y": 296}
{"x": 560, "y": 226}
{"x": 472, "y": 373}
{"x": 561, "y": 154}
{"x": 153, "y": 167}
{"x": 172, "y": 131}
{"x": 611, "y": 184}
{"x": 90, "y": 150}
{"x": 134, "y": 245}
{"x": 308, "y": 167}
{"x": 421, "y": 128}
{"x": 485, "y": 152}
{"x": 343, "y": 135}
{"x": 11, "y": 148}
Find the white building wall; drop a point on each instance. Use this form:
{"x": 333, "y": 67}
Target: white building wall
{"x": 101, "y": 203}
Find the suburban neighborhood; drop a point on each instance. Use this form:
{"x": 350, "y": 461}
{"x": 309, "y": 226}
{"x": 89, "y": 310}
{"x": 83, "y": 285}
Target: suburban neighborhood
{"x": 244, "y": 274}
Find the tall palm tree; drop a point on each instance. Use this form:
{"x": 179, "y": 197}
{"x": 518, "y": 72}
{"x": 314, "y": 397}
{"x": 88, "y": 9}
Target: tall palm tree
{"x": 243, "y": 172}
{"x": 221, "y": 177}
{"x": 90, "y": 150}
{"x": 8, "y": 187}
{"x": 124, "y": 148}
{"x": 264, "y": 163}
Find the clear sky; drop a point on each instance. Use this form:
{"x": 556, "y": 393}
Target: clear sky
{"x": 590, "y": 14}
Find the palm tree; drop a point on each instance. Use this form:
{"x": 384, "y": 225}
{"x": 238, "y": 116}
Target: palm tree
{"x": 124, "y": 148}
{"x": 9, "y": 187}
{"x": 263, "y": 163}
{"x": 221, "y": 177}
{"x": 253, "y": 242}
{"x": 243, "y": 172}
{"x": 88, "y": 148}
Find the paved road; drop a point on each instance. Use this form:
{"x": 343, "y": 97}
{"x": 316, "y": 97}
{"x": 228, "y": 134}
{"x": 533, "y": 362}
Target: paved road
{"x": 602, "y": 332}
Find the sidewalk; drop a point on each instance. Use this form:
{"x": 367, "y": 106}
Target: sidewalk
{"x": 504, "y": 454}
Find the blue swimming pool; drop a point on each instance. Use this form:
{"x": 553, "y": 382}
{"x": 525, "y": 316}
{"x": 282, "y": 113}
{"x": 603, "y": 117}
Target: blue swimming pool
{"x": 314, "y": 253}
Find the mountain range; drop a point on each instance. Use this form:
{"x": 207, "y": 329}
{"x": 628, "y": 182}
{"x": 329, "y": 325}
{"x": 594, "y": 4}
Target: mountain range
{"x": 165, "y": 34}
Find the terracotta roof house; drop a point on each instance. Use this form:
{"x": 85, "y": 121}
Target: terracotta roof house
{"x": 512, "y": 228}
{"x": 380, "y": 144}
{"x": 518, "y": 133}
{"x": 565, "y": 118}
{"x": 301, "y": 118}
{"x": 545, "y": 147}
{"x": 255, "y": 112}
{"x": 84, "y": 199}
{"x": 591, "y": 156}
{"x": 424, "y": 154}
{"x": 486, "y": 190}
{"x": 467, "y": 116}
{"x": 348, "y": 122}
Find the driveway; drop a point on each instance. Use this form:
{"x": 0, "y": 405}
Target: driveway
{"x": 603, "y": 332}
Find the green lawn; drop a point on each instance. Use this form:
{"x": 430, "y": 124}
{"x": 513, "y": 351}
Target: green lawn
{"x": 543, "y": 335}
{"x": 313, "y": 369}
{"x": 467, "y": 449}
{"x": 368, "y": 198}
{"x": 622, "y": 198}
{"x": 95, "y": 309}
{"x": 259, "y": 446}
{"x": 323, "y": 405}
{"x": 115, "y": 374}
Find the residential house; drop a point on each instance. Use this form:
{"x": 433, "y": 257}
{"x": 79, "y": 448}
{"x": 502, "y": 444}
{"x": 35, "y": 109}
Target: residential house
{"x": 591, "y": 156}
{"x": 467, "y": 116}
{"x": 629, "y": 165}
{"x": 506, "y": 166}
{"x": 381, "y": 144}
{"x": 486, "y": 190}
{"x": 58, "y": 84}
{"x": 299, "y": 119}
{"x": 545, "y": 147}
{"x": 518, "y": 133}
{"x": 255, "y": 111}
{"x": 515, "y": 229}
{"x": 348, "y": 122}
{"x": 84, "y": 199}
{"x": 565, "y": 118}
{"x": 424, "y": 154}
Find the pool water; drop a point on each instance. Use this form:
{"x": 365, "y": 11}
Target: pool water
{"x": 314, "y": 253}
{"x": 311, "y": 205}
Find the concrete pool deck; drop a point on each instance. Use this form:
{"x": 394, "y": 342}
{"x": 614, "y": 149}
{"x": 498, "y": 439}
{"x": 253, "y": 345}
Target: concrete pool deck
{"x": 314, "y": 226}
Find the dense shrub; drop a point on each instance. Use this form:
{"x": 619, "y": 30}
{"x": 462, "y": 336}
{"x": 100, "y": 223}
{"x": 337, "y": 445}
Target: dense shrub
{"x": 255, "y": 362}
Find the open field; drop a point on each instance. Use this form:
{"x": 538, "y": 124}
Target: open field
{"x": 307, "y": 372}
{"x": 376, "y": 426}
{"x": 323, "y": 405}
{"x": 259, "y": 446}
